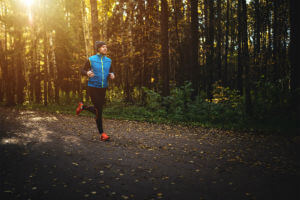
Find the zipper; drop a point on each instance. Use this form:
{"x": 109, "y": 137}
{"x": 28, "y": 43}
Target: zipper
{"x": 102, "y": 71}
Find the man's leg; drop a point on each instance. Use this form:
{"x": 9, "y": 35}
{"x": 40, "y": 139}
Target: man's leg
{"x": 98, "y": 111}
{"x": 98, "y": 99}
{"x": 90, "y": 109}
{"x": 98, "y": 103}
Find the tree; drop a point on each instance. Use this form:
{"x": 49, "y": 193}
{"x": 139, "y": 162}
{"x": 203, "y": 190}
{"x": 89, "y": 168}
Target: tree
{"x": 95, "y": 23}
{"x": 225, "y": 79}
{"x": 246, "y": 63}
{"x": 164, "y": 68}
{"x": 295, "y": 70}
{"x": 194, "y": 46}
{"x": 219, "y": 41}
{"x": 210, "y": 65}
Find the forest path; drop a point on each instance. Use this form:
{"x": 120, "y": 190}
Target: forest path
{"x": 56, "y": 156}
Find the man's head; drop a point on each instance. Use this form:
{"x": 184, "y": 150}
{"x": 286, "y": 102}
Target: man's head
{"x": 101, "y": 47}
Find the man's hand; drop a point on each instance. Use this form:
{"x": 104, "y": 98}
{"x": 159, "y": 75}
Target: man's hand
{"x": 112, "y": 76}
{"x": 90, "y": 74}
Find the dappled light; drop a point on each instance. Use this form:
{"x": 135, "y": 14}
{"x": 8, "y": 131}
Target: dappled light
{"x": 36, "y": 129}
{"x": 9, "y": 141}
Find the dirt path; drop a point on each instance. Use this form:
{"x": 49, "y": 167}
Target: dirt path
{"x": 54, "y": 156}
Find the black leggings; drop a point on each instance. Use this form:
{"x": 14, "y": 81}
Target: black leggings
{"x": 98, "y": 99}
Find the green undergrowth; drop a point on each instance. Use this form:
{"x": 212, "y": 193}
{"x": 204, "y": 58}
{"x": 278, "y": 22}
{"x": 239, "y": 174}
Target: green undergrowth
{"x": 225, "y": 110}
{"x": 122, "y": 111}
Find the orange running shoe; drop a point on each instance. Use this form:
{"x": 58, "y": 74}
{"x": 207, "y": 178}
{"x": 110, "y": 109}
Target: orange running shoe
{"x": 79, "y": 108}
{"x": 104, "y": 137}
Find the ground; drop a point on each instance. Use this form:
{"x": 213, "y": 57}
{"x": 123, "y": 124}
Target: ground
{"x": 56, "y": 156}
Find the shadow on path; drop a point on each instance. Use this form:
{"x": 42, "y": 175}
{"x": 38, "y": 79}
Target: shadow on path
{"x": 54, "y": 156}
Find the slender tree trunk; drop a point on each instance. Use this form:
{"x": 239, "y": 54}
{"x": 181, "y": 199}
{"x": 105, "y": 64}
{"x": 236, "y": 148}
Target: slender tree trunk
{"x": 295, "y": 69}
{"x": 219, "y": 41}
{"x": 12, "y": 83}
{"x": 46, "y": 66}
{"x": 246, "y": 62}
{"x": 194, "y": 46}
{"x": 276, "y": 41}
{"x": 4, "y": 69}
{"x": 269, "y": 36}
{"x": 38, "y": 94}
{"x": 233, "y": 25}
{"x": 8, "y": 83}
{"x": 240, "y": 85}
{"x": 84, "y": 28}
{"x": 210, "y": 45}
{"x": 180, "y": 71}
{"x": 148, "y": 47}
{"x": 257, "y": 32}
{"x": 20, "y": 81}
{"x": 165, "y": 68}
{"x": 95, "y": 23}
{"x": 226, "y": 44}
{"x": 128, "y": 88}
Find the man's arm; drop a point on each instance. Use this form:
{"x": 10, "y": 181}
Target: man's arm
{"x": 111, "y": 69}
{"x": 111, "y": 73}
{"x": 86, "y": 68}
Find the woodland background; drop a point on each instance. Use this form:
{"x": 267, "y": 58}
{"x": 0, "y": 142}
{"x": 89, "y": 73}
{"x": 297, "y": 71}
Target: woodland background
{"x": 229, "y": 63}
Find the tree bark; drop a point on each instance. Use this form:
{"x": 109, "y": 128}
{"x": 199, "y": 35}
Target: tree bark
{"x": 46, "y": 67}
{"x": 246, "y": 63}
{"x": 194, "y": 46}
{"x": 95, "y": 23}
{"x": 210, "y": 46}
{"x": 295, "y": 70}
{"x": 240, "y": 72}
{"x": 219, "y": 42}
{"x": 20, "y": 81}
{"x": 226, "y": 44}
{"x": 164, "y": 68}
{"x": 257, "y": 32}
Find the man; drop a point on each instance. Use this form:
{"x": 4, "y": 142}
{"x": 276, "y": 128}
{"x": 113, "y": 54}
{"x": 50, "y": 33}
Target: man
{"x": 98, "y": 69}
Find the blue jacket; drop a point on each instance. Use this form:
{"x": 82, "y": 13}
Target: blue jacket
{"x": 100, "y": 65}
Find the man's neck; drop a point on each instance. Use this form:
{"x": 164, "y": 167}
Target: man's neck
{"x": 100, "y": 54}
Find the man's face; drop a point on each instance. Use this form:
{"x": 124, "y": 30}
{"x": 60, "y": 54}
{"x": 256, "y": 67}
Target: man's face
{"x": 103, "y": 50}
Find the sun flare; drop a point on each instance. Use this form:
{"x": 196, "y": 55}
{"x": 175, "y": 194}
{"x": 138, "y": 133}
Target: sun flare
{"x": 28, "y": 3}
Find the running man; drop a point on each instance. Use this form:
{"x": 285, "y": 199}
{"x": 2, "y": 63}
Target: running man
{"x": 98, "y": 69}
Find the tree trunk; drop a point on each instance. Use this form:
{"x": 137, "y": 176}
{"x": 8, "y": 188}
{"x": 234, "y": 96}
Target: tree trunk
{"x": 246, "y": 63}
{"x": 20, "y": 81}
{"x": 240, "y": 85}
{"x": 84, "y": 28}
{"x": 165, "y": 68}
{"x": 180, "y": 71}
{"x": 219, "y": 41}
{"x": 95, "y": 23}
{"x": 194, "y": 46}
{"x": 226, "y": 45}
{"x": 295, "y": 69}
{"x": 276, "y": 41}
{"x": 257, "y": 32}
{"x": 4, "y": 69}
{"x": 46, "y": 67}
{"x": 210, "y": 45}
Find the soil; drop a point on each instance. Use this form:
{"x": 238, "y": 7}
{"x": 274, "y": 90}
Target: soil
{"x": 57, "y": 156}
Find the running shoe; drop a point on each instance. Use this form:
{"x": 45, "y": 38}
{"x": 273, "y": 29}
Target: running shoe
{"x": 104, "y": 137}
{"x": 79, "y": 108}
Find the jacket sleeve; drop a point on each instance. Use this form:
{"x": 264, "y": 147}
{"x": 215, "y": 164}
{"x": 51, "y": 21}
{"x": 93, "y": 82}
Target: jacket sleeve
{"x": 86, "y": 67}
{"x": 111, "y": 69}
